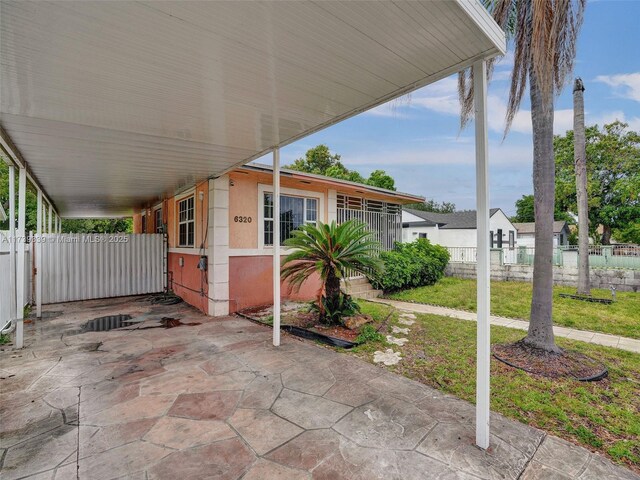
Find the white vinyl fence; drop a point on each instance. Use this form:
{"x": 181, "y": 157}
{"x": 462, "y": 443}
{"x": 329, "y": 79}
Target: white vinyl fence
{"x": 5, "y": 287}
{"x": 600, "y": 256}
{"x": 86, "y": 266}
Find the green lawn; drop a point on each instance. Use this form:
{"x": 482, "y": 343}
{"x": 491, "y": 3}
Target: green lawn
{"x": 513, "y": 299}
{"x": 602, "y": 416}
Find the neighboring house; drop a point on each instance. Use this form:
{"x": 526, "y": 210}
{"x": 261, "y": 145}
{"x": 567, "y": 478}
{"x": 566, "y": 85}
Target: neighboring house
{"x": 457, "y": 229}
{"x": 527, "y": 233}
{"x": 227, "y": 223}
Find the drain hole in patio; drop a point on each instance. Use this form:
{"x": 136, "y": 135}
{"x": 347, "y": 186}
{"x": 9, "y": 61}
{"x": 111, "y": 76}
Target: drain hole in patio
{"x": 103, "y": 324}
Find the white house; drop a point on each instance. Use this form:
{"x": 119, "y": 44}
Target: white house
{"x": 527, "y": 233}
{"x": 457, "y": 229}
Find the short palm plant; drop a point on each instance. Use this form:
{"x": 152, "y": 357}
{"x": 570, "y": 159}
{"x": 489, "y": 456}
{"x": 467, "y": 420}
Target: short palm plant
{"x": 331, "y": 250}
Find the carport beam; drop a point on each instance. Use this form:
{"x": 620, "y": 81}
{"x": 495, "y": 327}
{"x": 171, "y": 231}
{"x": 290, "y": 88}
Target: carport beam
{"x": 276, "y": 247}
{"x": 483, "y": 298}
{"x": 12, "y": 243}
{"x": 39, "y": 257}
{"x": 21, "y": 270}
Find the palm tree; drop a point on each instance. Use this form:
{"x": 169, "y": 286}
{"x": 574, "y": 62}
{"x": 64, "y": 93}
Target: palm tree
{"x": 580, "y": 160}
{"x": 544, "y": 34}
{"x": 331, "y": 251}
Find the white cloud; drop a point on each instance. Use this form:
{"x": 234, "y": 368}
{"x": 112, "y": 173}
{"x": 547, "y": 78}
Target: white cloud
{"x": 442, "y": 153}
{"x": 442, "y": 97}
{"x": 610, "y": 117}
{"x": 634, "y": 123}
{"x": 447, "y": 104}
{"x": 499, "y": 75}
{"x": 393, "y": 109}
{"x": 506, "y": 60}
{"x": 626, "y": 85}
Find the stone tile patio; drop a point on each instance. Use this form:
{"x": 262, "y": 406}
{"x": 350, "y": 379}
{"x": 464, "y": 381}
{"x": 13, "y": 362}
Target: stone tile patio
{"x": 216, "y": 400}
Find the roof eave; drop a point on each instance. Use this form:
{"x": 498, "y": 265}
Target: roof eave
{"x": 406, "y": 197}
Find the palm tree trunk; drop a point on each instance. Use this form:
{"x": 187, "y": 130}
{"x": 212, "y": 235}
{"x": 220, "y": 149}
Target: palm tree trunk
{"x": 606, "y": 235}
{"x": 332, "y": 288}
{"x": 580, "y": 158}
{"x": 540, "y": 334}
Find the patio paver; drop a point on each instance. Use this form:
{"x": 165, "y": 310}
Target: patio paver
{"x": 216, "y": 400}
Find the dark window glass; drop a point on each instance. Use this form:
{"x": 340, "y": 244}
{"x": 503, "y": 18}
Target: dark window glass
{"x": 186, "y": 223}
{"x": 294, "y": 212}
{"x": 158, "y": 220}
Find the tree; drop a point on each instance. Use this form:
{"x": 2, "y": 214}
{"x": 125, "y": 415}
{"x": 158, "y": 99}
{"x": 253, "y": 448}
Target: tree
{"x": 320, "y": 161}
{"x": 613, "y": 180}
{"x": 580, "y": 160}
{"x": 629, "y": 234}
{"x": 331, "y": 251}
{"x": 525, "y": 211}
{"x": 97, "y": 225}
{"x": 31, "y": 199}
{"x": 544, "y": 35}
{"x": 100, "y": 225}
{"x": 433, "y": 206}
{"x": 379, "y": 178}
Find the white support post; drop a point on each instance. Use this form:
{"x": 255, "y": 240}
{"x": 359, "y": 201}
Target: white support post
{"x": 21, "y": 270}
{"x": 276, "y": 247}
{"x": 50, "y": 220}
{"x": 38, "y": 250}
{"x": 483, "y": 260}
{"x": 12, "y": 243}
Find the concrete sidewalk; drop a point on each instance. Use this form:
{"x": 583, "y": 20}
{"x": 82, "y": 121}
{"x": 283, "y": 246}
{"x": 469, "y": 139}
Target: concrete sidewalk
{"x": 622, "y": 343}
{"x": 216, "y": 400}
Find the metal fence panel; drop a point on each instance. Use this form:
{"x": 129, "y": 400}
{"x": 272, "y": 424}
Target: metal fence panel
{"x": 5, "y": 287}
{"x": 386, "y": 227}
{"x": 86, "y": 266}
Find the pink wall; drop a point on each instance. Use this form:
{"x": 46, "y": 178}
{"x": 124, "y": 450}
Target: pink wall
{"x": 190, "y": 277}
{"x": 251, "y": 283}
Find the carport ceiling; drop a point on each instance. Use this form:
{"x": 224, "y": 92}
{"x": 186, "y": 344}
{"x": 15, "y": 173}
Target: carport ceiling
{"x": 113, "y": 104}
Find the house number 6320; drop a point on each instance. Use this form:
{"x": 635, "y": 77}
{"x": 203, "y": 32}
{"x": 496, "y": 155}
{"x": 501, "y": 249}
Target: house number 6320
{"x": 240, "y": 219}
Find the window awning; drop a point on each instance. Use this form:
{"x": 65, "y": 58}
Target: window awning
{"x": 113, "y": 104}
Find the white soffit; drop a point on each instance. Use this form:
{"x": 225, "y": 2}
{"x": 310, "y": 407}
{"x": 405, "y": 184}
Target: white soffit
{"x": 113, "y": 104}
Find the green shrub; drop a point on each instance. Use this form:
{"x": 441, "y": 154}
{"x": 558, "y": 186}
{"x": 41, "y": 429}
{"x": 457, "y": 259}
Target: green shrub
{"x": 334, "y": 310}
{"x": 412, "y": 265}
{"x": 369, "y": 334}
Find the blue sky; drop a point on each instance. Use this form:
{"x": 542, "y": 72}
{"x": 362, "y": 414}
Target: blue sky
{"x": 419, "y": 143}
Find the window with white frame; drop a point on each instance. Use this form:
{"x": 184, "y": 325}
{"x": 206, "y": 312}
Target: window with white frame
{"x": 294, "y": 212}
{"x": 186, "y": 222}
{"x": 157, "y": 214}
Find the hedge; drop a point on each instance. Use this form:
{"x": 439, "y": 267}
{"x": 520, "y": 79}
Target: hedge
{"x": 412, "y": 265}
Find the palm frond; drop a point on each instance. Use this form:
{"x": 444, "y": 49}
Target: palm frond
{"x": 330, "y": 249}
{"x": 544, "y": 35}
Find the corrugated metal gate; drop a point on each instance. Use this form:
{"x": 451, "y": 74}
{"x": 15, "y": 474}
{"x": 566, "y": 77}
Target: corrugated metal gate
{"x": 86, "y": 266}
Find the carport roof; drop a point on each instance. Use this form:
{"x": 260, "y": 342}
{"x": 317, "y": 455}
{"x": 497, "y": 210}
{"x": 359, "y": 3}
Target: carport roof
{"x": 113, "y": 104}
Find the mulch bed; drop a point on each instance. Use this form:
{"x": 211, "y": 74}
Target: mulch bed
{"x": 569, "y": 363}
{"x": 297, "y": 317}
{"x": 337, "y": 332}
